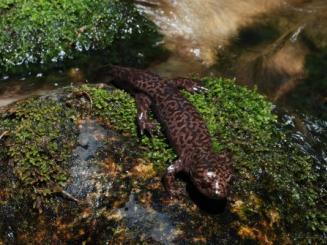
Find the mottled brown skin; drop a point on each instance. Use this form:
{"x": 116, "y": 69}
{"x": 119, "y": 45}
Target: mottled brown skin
{"x": 187, "y": 132}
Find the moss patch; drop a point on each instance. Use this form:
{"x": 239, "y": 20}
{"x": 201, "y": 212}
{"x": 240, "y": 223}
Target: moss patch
{"x": 39, "y": 32}
{"x": 41, "y": 136}
{"x": 116, "y": 107}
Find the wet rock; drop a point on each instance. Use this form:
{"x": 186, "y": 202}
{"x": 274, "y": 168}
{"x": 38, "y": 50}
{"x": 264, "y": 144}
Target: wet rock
{"x": 146, "y": 220}
{"x": 84, "y": 173}
{"x": 73, "y": 170}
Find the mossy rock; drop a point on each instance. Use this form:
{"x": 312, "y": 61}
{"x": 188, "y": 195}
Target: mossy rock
{"x": 45, "y": 33}
{"x": 77, "y": 157}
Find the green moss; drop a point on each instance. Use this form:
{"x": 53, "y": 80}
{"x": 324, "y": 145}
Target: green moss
{"x": 116, "y": 107}
{"x": 234, "y": 113}
{"x": 41, "y": 137}
{"x": 38, "y": 32}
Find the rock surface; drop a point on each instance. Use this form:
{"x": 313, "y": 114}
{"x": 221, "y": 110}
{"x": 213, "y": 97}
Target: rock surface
{"x": 73, "y": 170}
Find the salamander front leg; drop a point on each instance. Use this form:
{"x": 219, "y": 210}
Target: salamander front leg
{"x": 143, "y": 103}
{"x": 191, "y": 85}
{"x": 169, "y": 178}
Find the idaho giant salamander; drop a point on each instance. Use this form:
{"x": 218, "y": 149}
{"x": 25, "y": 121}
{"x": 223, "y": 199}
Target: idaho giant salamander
{"x": 211, "y": 173}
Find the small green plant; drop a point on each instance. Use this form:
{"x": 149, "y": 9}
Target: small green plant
{"x": 40, "y": 142}
{"x": 116, "y": 107}
{"x": 43, "y": 32}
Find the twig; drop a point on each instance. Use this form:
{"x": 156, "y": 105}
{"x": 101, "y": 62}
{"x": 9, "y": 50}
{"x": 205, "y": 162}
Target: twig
{"x": 89, "y": 97}
{"x": 69, "y": 196}
{"x": 85, "y": 94}
{"x": 3, "y": 134}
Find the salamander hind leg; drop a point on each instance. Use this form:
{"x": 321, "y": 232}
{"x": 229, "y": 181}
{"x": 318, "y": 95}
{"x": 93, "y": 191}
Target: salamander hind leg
{"x": 169, "y": 179}
{"x": 143, "y": 103}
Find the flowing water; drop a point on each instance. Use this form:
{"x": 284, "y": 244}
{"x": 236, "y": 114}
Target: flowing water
{"x": 197, "y": 28}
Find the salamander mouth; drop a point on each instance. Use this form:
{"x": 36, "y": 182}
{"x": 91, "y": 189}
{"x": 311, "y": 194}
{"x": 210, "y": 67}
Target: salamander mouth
{"x": 218, "y": 196}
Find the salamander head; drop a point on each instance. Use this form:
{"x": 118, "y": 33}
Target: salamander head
{"x": 212, "y": 175}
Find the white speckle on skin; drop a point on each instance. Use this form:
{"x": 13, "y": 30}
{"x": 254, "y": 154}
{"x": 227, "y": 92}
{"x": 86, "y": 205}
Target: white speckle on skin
{"x": 211, "y": 174}
{"x": 171, "y": 168}
{"x": 217, "y": 187}
{"x": 141, "y": 116}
